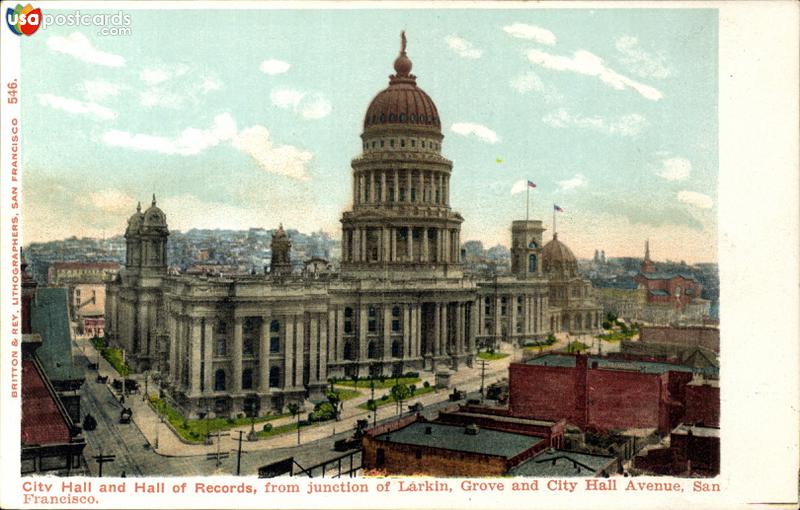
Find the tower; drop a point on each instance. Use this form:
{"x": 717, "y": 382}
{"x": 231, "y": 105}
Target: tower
{"x": 281, "y": 245}
{"x": 648, "y": 266}
{"x": 526, "y": 248}
{"x": 401, "y": 223}
{"x": 146, "y": 240}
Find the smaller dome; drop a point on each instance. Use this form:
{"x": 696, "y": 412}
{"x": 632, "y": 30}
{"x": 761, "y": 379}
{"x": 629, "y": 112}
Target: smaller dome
{"x": 135, "y": 221}
{"x": 154, "y": 217}
{"x": 558, "y": 258}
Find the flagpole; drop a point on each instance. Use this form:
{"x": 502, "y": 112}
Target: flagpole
{"x": 527, "y": 201}
{"x": 554, "y": 221}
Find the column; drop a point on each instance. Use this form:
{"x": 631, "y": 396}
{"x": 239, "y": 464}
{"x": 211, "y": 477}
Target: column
{"x": 299, "y": 351}
{"x": 339, "y": 333}
{"x": 446, "y": 190}
{"x": 387, "y": 331}
{"x": 459, "y": 328}
{"x": 446, "y": 247}
{"x": 236, "y": 368}
{"x": 264, "y": 354}
{"x": 393, "y": 240}
{"x": 372, "y": 196}
{"x": 443, "y": 336}
{"x": 287, "y": 324}
{"x": 437, "y": 313}
{"x": 345, "y": 246}
{"x": 407, "y": 330}
{"x": 497, "y": 328}
{"x": 410, "y": 243}
{"x": 362, "y": 332}
{"x": 440, "y": 189}
{"x": 324, "y": 344}
{"x": 173, "y": 346}
{"x": 416, "y": 329}
{"x": 512, "y": 329}
{"x": 208, "y": 349}
{"x": 425, "y": 247}
{"x": 363, "y": 244}
{"x": 384, "y": 193}
{"x": 385, "y": 244}
{"x": 421, "y": 189}
{"x": 356, "y": 245}
{"x": 313, "y": 349}
{"x": 179, "y": 336}
{"x": 194, "y": 352}
{"x": 473, "y": 330}
{"x": 396, "y": 186}
{"x": 355, "y": 189}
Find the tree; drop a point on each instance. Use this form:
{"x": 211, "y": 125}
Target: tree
{"x": 372, "y": 406}
{"x": 400, "y": 392}
{"x": 336, "y": 401}
{"x": 294, "y": 408}
{"x": 355, "y": 380}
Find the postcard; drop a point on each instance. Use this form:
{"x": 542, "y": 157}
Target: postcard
{"x": 399, "y": 255}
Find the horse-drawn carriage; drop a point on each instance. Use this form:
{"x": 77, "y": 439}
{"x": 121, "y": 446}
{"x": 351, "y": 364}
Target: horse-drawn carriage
{"x": 125, "y": 415}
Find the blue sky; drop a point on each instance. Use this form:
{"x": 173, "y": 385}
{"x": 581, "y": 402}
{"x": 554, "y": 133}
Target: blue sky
{"x": 250, "y": 118}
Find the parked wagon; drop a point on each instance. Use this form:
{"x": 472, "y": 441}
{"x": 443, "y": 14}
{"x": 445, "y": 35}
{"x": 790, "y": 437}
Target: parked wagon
{"x": 125, "y": 415}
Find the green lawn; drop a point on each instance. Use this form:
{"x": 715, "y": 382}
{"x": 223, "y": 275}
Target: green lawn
{"x": 576, "y": 347}
{"x": 391, "y": 400}
{"x": 617, "y": 336}
{"x": 491, "y": 356}
{"x": 345, "y": 394}
{"x": 195, "y": 430}
{"x": 112, "y": 355}
{"x": 379, "y": 385}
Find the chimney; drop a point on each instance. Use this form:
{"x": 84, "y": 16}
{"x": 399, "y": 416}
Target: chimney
{"x": 428, "y": 430}
{"x": 471, "y": 429}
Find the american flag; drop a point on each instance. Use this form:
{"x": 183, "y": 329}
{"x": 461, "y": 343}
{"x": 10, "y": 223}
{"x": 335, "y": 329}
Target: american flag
{"x": 557, "y": 208}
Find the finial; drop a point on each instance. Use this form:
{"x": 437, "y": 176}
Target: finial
{"x": 139, "y": 207}
{"x": 402, "y": 64}
{"x": 154, "y": 199}
{"x": 403, "y": 42}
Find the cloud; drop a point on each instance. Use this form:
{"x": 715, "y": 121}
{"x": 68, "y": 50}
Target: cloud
{"x": 254, "y": 141}
{"x": 100, "y": 90}
{"x": 531, "y": 82}
{"x": 162, "y": 72}
{"x": 675, "y": 169}
{"x": 625, "y": 125}
{"x": 589, "y": 64}
{"x": 532, "y": 32}
{"x": 578, "y": 181}
{"x": 519, "y": 186}
{"x": 462, "y": 47}
{"x": 210, "y": 84}
{"x": 77, "y": 45}
{"x": 639, "y": 61}
{"x": 110, "y": 201}
{"x": 77, "y": 107}
{"x": 160, "y": 97}
{"x": 273, "y": 66}
{"x": 695, "y": 199}
{"x": 282, "y": 159}
{"x": 308, "y": 105}
{"x": 481, "y": 132}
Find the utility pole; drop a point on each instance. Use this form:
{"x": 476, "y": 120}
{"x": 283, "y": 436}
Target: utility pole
{"x": 483, "y": 375}
{"x": 102, "y": 459}
{"x": 122, "y": 399}
{"x": 375, "y": 407}
{"x": 218, "y": 456}
{"x": 239, "y": 456}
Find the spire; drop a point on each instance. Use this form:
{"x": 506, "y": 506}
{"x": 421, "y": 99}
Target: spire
{"x": 139, "y": 207}
{"x": 647, "y": 249}
{"x": 154, "y": 200}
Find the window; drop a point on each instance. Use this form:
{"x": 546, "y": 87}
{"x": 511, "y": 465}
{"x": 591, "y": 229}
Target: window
{"x": 413, "y": 117}
{"x": 437, "y": 196}
{"x": 391, "y": 142}
{"x": 382, "y": 119}
{"x": 531, "y": 263}
{"x": 418, "y": 453}
{"x": 402, "y": 141}
{"x": 248, "y": 347}
{"x": 247, "y": 379}
{"x": 372, "y": 323}
{"x": 349, "y": 351}
{"x": 390, "y": 196}
{"x": 532, "y": 244}
{"x": 396, "y": 318}
{"x": 503, "y": 306}
{"x": 381, "y": 141}
{"x": 275, "y": 344}
{"x": 413, "y": 142}
{"x": 402, "y": 117}
{"x": 219, "y": 380}
{"x": 372, "y": 350}
{"x": 275, "y": 326}
{"x": 413, "y": 194}
{"x": 373, "y": 144}
{"x": 220, "y": 347}
{"x": 392, "y": 117}
{"x": 395, "y": 325}
{"x": 248, "y": 325}
{"x": 397, "y": 349}
{"x": 274, "y": 377}
{"x": 222, "y": 328}
{"x": 402, "y": 194}
{"x": 348, "y": 320}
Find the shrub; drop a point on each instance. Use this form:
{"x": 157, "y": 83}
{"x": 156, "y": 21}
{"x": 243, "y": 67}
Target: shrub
{"x": 267, "y": 427}
{"x": 606, "y": 325}
{"x": 384, "y": 397}
{"x": 426, "y": 384}
{"x": 229, "y": 421}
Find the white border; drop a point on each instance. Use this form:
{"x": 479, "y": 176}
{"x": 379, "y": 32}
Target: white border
{"x": 758, "y": 255}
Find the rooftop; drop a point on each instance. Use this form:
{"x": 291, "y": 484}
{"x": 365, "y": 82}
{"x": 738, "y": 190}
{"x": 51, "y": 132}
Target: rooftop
{"x": 554, "y": 463}
{"x": 696, "y": 430}
{"x": 611, "y": 363}
{"x": 50, "y": 319}
{"x": 668, "y": 276}
{"x": 42, "y": 422}
{"x": 453, "y": 437}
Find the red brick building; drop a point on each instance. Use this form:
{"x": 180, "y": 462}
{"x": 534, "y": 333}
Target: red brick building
{"x": 676, "y": 289}
{"x": 602, "y": 393}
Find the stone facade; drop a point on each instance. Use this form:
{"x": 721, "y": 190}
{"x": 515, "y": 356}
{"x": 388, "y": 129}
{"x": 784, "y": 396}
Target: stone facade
{"x": 400, "y": 301}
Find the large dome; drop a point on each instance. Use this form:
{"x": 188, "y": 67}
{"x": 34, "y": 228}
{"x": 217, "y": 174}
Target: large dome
{"x": 558, "y": 258}
{"x": 402, "y": 102}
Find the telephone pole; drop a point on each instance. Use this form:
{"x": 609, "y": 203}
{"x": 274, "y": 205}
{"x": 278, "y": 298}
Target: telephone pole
{"x": 239, "y": 456}
{"x": 102, "y": 459}
{"x": 483, "y": 375}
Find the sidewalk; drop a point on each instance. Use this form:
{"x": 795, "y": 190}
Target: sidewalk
{"x": 169, "y": 444}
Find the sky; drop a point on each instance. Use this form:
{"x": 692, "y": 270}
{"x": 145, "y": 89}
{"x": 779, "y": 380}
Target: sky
{"x": 611, "y": 112}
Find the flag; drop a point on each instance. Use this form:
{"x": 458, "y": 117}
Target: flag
{"x": 498, "y": 160}
{"x": 557, "y": 208}
{"x": 531, "y": 184}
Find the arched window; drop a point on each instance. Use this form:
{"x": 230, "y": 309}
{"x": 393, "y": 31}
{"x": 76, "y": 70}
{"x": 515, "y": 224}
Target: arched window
{"x": 383, "y": 119}
{"x": 531, "y": 263}
{"x": 275, "y": 326}
{"x": 348, "y": 320}
{"x": 274, "y": 377}
{"x": 372, "y": 323}
{"x": 222, "y": 327}
{"x": 247, "y": 379}
{"x": 397, "y": 349}
{"x": 219, "y": 380}
{"x": 413, "y": 117}
{"x": 402, "y": 117}
{"x": 532, "y": 244}
{"x": 372, "y": 350}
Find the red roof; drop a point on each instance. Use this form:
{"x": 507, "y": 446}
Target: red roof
{"x": 42, "y": 422}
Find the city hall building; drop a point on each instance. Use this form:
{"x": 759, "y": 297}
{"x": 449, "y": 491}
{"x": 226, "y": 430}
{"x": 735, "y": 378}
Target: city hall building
{"x": 400, "y": 301}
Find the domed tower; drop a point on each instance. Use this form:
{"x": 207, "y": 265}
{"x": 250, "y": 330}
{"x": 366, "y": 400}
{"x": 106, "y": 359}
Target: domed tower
{"x": 401, "y": 222}
{"x": 558, "y": 260}
{"x": 281, "y": 262}
{"x": 146, "y": 240}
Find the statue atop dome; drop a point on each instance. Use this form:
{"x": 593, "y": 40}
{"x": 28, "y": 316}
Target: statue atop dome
{"x": 281, "y": 245}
